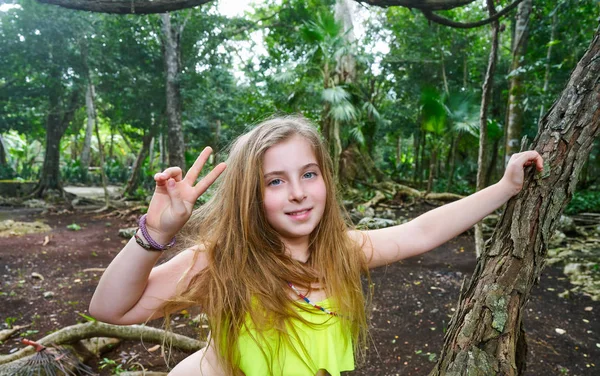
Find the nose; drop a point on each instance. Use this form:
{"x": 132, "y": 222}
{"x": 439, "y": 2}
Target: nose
{"x": 297, "y": 192}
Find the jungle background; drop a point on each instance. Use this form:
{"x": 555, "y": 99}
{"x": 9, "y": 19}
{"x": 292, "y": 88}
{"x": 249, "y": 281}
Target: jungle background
{"x": 92, "y": 105}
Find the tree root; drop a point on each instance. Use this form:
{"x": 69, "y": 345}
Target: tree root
{"x": 79, "y": 332}
{"x": 399, "y": 191}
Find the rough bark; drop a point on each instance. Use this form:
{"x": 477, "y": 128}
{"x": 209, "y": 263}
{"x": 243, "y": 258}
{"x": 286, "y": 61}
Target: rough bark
{"x": 514, "y": 124}
{"x": 127, "y": 6}
{"x": 132, "y": 183}
{"x": 486, "y": 94}
{"x": 171, "y": 50}
{"x": 485, "y": 335}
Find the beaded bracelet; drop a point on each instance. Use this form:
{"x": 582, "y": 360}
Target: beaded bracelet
{"x": 152, "y": 245}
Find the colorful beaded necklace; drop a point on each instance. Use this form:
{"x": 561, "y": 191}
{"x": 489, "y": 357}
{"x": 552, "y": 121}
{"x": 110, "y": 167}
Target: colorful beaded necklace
{"x": 311, "y": 303}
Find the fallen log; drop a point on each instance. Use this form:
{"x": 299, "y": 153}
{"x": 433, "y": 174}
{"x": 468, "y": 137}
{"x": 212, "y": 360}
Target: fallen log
{"x": 74, "y": 333}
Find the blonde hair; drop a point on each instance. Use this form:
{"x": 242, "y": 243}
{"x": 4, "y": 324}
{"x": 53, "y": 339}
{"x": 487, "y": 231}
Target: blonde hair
{"x": 248, "y": 267}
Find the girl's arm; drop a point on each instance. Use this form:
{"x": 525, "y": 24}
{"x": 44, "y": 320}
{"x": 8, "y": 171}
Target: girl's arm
{"x": 131, "y": 290}
{"x": 439, "y": 225}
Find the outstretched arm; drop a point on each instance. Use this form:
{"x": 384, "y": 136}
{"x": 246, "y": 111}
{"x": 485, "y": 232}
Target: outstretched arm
{"x": 437, "y": 226}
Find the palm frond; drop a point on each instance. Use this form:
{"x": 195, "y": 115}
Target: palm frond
{"x": 343, "y": 111}
{"x": 335, "y": 95}
{"x": 358, "y": 135}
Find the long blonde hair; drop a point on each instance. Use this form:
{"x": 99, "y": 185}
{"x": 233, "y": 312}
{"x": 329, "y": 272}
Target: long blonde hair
{"x": 247, "y": 264}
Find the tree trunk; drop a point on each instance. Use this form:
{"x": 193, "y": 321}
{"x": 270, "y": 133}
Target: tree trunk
{"x": 417, "y": 151}
{"x": 171, "y": 50}
{"x": 398, "y": 152}
{"x": 217, "y": 139}
{"x": 100, "y": 147}
{"x": 132, "y": 183}
{"x": 151, "y": 154}
{"x": 57, "y": 121}
{"x": 111, "y": 149}
{"x": 345, "y": 72}
{"x": 485, "y": 335}
{"x": 432, "y": 163}
{"x": 452, "y": 161}
{"x": 3, "y": 159}
{"x": 163, "y": 151}
{"x": 423, "y": 161}
{"x": 514, "y": 116}
{"x": 548, "y": 57}
{"x": 87, "y": 141}
{"x": 486, "y": 94}
{"x": 492, "y": 166}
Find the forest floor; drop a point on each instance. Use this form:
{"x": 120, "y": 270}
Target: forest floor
{"x": 413, "y": 301}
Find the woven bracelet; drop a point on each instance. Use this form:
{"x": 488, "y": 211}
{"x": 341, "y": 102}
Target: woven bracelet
{"x": 153, "y": 245}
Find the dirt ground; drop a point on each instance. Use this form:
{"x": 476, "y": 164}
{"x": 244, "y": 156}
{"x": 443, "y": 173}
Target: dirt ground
{"x": 413, "y": 301}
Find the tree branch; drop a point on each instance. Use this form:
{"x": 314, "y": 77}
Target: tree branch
{"x": 419, "y": 4}
{"x": 469, "y": 25}
{"x": 78, "y": 332}
{"x": 127, "y": 6}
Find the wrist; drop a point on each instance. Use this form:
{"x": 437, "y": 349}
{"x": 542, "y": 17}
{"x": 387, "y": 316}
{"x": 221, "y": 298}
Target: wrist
{"x": 154, "y": 240}
{"x": 159, "y": 237}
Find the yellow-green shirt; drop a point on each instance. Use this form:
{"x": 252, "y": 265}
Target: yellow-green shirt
{"x": 324, "y": 344}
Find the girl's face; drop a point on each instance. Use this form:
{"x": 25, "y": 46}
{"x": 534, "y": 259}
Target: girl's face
{"x": 295, "y": 193}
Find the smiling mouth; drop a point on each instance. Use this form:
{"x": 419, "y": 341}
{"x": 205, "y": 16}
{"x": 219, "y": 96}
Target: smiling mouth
{"x": 299, "y": 212}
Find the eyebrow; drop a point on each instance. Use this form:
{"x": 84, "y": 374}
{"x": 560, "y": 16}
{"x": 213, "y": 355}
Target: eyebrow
{"x": 312, "y": 164}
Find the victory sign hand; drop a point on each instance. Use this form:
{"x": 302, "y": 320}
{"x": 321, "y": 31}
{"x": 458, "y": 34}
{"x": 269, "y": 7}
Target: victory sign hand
{"x": 174, "y": 197}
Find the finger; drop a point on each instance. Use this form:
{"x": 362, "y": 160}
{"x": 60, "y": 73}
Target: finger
{"x": 531, "y": 157}
{"x": 175, "y": 196}
{"x": 207, "y": 181}
{"x": 173, "y": 172}
{"x": 194, "y": 171}
{"x": 160, "y": 179}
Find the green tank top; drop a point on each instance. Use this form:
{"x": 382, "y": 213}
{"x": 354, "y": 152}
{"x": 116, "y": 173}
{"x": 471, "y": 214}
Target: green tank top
{"x": 325, "y": 345}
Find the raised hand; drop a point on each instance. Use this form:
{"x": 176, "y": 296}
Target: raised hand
{"x": 514, "y": 174}
{"x": 174, "y": 197}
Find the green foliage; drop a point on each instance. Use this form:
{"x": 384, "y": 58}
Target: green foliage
{"x": 72, "y": 172}
{"x": 584, "y": 201}
{"x": 7, "y": 172}
{"x": 74, "y": 227}
{"x": 423, "y": 94}
{"x": 10, "y": 321}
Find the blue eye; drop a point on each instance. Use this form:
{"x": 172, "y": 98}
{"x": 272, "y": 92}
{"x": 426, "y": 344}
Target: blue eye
{"x": 275, "y": 182}
{"x": 309, "y": 175}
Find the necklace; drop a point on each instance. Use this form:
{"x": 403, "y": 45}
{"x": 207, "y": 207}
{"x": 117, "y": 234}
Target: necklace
{"x": 309, "y": 302}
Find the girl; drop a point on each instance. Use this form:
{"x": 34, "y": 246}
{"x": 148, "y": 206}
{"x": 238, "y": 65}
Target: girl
{"x": 274, "y": 266}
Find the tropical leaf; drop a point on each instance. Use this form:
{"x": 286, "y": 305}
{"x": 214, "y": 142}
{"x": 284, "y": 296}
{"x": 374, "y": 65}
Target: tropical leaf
{"x": 433, "y": 112}
{"x": 371, "y": 110}
{"x": 358, "y": 135}
{"x": 335, "y": 95}
{"x": 343, "y": 111}
{"x": 284, "y": 77}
